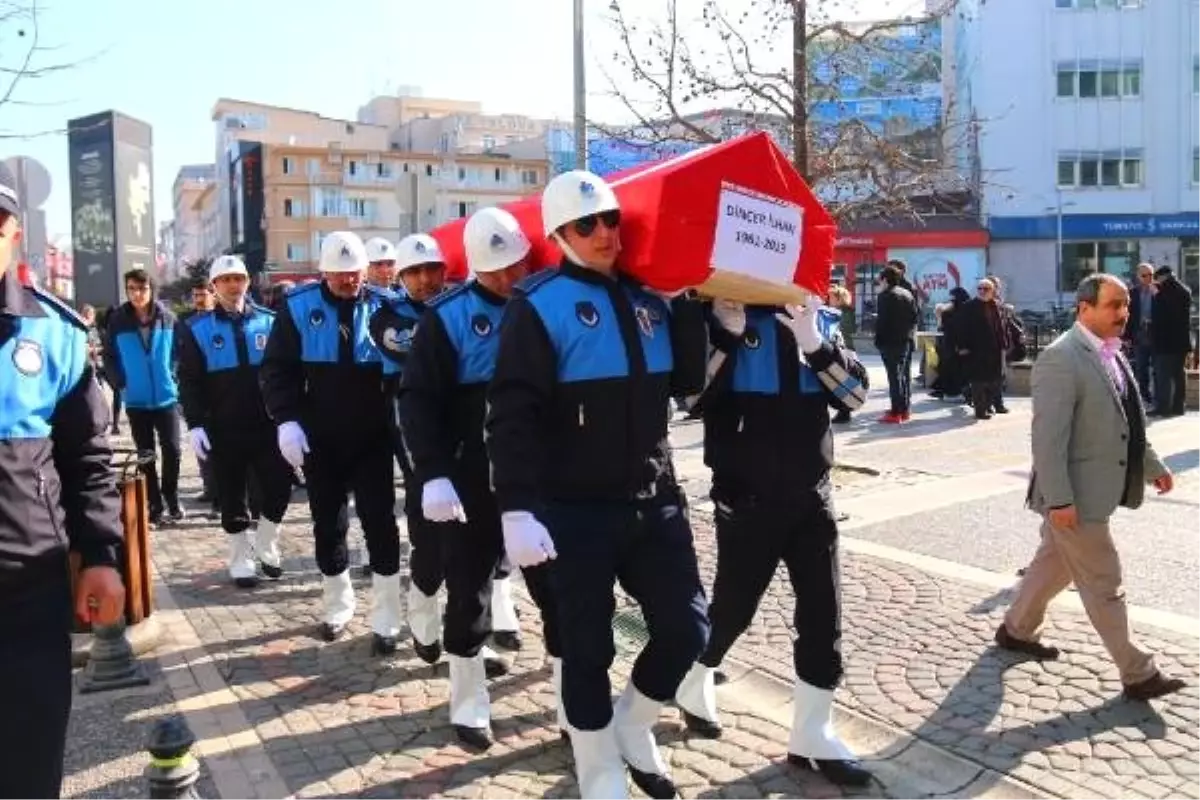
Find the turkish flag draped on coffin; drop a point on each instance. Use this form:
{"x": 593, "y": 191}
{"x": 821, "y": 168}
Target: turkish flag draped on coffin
{"x": 734, "y": 220}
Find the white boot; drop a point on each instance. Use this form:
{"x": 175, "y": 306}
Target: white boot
{"x": 633, "y": 721}
{"x": 598, "y": 767}
{"x": 266, "y": 545}
{"x": 560, "y": 711}
{"x": 339, "y": 604}
{"x": 241, "y": 560}
{"x": 504, "y": 612}
{"x": 697, "y": 698}
{"x": 812, "y": 725}
{"x": 385, "y": 606}
{"x": 470, "y": 711}
{"x": 425, "y": 622}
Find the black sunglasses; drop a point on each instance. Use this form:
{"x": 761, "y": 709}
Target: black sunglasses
{"x": 585, "y": 226}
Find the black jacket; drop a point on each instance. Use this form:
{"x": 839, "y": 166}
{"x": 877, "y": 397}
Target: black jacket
{"x": 766, "y": 416}
{"x": 579, "y": 403}
{"x": 219, "y": 356}
{"x": 322, "y": 369}
{"x": 57, "y": 486}
{"x": 985, "y": 343}
{"x": 896, "y": 319}
{"x": 1171, "y": 318}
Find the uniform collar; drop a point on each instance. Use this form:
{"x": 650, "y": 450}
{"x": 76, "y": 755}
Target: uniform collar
{"x": 486, "y": 294}
{"x": 573, "y": 270}
{"x": 15, "y": 300}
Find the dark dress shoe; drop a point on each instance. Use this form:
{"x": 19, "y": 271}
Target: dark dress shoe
{"x": 841, "y": 773}
{"x": 246, "y": 583}
{"x": 704, "y": 728}
{"x": 983, "y": 415}
{"x": 429, "y": 653}
{"x": 1000, "y": 409}
{"x": 1038, "y": 650}
{"x": 506, "y": 640}
{"x": 495, "y": 667}
{"x": 652, "y": 784}
{"x": 1157, "y": 685}
{"x": 475, "y": 738}
{"x": 331, "y": 632}
{"x": 383, "y": 645}
{"x": 274, "y": 573}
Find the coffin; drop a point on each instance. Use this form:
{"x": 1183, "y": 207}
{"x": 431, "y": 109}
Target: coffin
{"x": 733, "y": 220}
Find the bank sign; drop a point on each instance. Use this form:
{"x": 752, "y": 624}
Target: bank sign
{"x": 1096, "y": 226}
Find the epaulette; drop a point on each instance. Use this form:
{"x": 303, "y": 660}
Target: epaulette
{"x": 530, "y": 284}
{"x": 382, "y": 294}
{"x": 261, "y": 309}
{"x": 448, "y": 295}
{"x": 64, "y": 310}
{"x": 306, "y": 287}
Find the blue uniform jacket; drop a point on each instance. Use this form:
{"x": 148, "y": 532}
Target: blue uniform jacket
{"x": 57, "y": 486}
{"x": 144, "y": 371}
{"x": 219, "y": 358}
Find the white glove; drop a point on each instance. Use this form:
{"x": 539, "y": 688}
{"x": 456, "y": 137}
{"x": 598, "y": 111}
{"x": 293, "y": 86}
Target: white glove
{"x": 730, "y": 315}
{"x": 200, "y": 443}
{"x": 526, "y": 540}
{"x": 293, "y": 444}
{"x": 802, "y": 321}
{"x": 440, "y": 503}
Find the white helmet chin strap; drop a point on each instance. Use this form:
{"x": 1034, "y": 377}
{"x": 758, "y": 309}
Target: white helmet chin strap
{"x": 570, "y": 253}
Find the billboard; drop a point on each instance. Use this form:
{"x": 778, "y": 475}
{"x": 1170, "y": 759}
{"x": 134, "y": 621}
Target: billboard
{"x": 93, "y": 211}
{"x": 112, "y": 204}
{"x": 935, "y": 271}
{"x": 247, "y": 204}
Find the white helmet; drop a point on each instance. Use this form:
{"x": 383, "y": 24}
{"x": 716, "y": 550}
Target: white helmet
{"x": 226, "y": 265}
{"x": 493, "y": 240}
{"x": 574, "y": 195}
{"x": 417, "y": 249}
{"x": 380, "y": 249}
{"x": 342, "y": 251}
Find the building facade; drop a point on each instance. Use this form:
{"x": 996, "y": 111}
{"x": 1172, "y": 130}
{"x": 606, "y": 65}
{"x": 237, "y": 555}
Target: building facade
{"x": 187, "y": 225}
{"x": 1088, "y": 139}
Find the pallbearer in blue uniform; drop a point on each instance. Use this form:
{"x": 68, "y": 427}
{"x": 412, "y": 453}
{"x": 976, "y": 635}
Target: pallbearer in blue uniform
{"x": 220, "y": 353}
{"x": 58, "y": 492}
{"x": 577, "y": 435}
{"x": 381, "y": 264}
{"x": 442, "y": 408}
{"x": 323, "y": 384}
{"x": 768, "y": 443}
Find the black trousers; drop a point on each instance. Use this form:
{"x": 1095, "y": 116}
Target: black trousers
{"x": 247, "y": 463}
{"x": 331, "y": 475}
{"x": 425, "y": 555}
{"x": 35, "y": 688}
{"x": 208, "y": 480}
{"x": 471, "y": 556}
{"x": 752, "y": 539}
{"x": 647, "y": 546}
{"x": 1170, "y": 383}
{"x": 163, "y": 424}
{"x": 897, "y": 360}
{"x": 985, "y": 395}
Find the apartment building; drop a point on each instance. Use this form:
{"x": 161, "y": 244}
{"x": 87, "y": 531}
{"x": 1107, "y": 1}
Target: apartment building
{"x": 191, "y": 182}
{"x": 1088, "y": 113}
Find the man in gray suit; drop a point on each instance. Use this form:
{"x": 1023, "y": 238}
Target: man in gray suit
{"x": 1090, "y": 454}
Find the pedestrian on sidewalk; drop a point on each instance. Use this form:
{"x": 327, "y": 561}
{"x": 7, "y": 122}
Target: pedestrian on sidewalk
{"x": 322, "y": 377}
{"x": 141, "y": 360}
{"x": 770, "y": 449}
{"x": 220, "y": 353}
{"x": 1090, "y": 455}
{"x": 834, "y": 312}
{"x": 1171, "y": 333}
{"x": 1138, "y": 333}
{"x": 203, "y": 301}
{"x": 588, "y": 363}
{"x": 442, "y": 407}
{"x": 984, "y": 343}
{"x": 59, "y": 493}
{"x": 895, "y": 326}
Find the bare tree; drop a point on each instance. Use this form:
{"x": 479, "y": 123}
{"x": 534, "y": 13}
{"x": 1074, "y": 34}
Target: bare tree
{"x": 25, "y": 59}
{"x": 784, "y": 66}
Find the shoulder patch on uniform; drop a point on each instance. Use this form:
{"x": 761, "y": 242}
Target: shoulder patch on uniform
{"x": 64, "y": 310}
{"x": 446, "y": 296}
{"x": 262, "y": 309}
{"x": 307, "y": 287}
{"x": 532, "y": 283}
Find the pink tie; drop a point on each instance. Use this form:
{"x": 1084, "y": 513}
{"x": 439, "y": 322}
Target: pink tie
{"x": 1108, "y": 353}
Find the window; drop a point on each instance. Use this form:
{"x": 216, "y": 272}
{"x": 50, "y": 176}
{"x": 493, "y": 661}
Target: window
{"x": 352, "y": 168}
{"x": 296, "y": 252}
{"x": 429, "y": 170}
{"x": 497, "y": 173}
{"x": 1196, "y": 77}
{"x": 1093, "y": 170}
{"x": 314, "y": 167}
{"x": 1079, "y": 259}
{"x": 1094, "y": 4}
{"x": 383, "y": 169}
{"x": 1196, "y": 166}
{"x": 489, "y": 142}
{"x": 289, "y": 167}
{"x": 328, "y": 203}
{"x": 529, "y": 177}
{"x": 1088, "y": 81}
{"x": 293, "y": 208}
{"x": 462, "y": 174}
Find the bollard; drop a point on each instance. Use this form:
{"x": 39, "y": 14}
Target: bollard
{"x": 111, "y": 664}
{"x": 173, "y": 770}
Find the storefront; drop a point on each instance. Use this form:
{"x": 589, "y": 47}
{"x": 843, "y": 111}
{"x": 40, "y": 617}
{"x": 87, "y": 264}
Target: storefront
{"x": 1026, "y": 250}
{"x": 938, "y": 261}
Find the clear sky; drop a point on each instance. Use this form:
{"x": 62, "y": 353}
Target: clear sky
{"x": 167, "y": 61}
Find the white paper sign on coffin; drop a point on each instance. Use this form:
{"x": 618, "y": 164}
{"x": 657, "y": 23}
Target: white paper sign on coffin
{"x": 757, "y": 236}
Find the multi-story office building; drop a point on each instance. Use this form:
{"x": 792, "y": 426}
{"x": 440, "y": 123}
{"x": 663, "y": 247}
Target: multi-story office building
{"x": 1087, "y": 112}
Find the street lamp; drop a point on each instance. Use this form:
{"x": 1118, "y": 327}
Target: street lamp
{"x": 1058, "y": 257}
{"x": 580, "y": 91}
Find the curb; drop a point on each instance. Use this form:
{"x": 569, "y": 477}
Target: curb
{"x": 903, "y": 764}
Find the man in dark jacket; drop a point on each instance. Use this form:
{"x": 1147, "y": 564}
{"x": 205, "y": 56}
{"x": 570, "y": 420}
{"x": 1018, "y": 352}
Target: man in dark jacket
{"x": 983, "y": 343}
{"x": 1137, "y": 332}
{"x": 58, "y": 492}
{"x": 203, "y": 301}
{"x": 1171, "y": 333}
{"x": 140, "y": 357}
{"x": 894, "y": 328}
